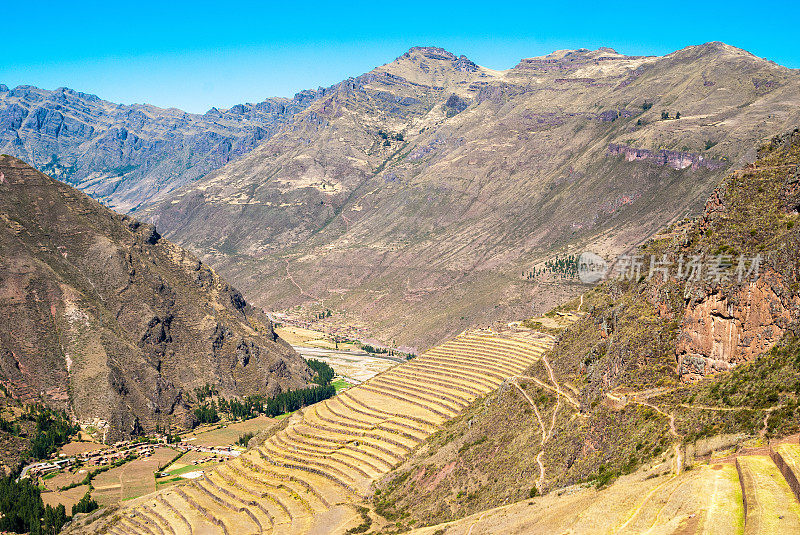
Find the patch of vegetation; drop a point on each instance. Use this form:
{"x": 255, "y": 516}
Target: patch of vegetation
{"x": 22, "y": 509}
{"x": 366, "y": 521}
{"x": 85, "y": 505}
{"x": 244, "y": 439}
{"x": 324, "y": 373}
{"x": 207, "y": 413}
{"x": 53, "y": 429}
{"x": 204, "y": 392}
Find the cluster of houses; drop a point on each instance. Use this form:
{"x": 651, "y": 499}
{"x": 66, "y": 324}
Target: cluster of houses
{"x": 122, "y": 450}
{"x": 40, "y": 469}
{"x": 105, "y": 456}
{"x": 116, "y": 452}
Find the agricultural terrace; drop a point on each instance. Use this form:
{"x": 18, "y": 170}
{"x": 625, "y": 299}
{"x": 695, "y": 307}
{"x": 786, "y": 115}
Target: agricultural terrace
{"x": 310, "y": 475}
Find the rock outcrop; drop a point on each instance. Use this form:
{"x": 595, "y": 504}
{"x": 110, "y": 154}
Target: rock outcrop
{"x": 671, "y": 158}
{"x": 754, "y": 210}
{"x": 106, "y": 319}
{"x": 720, "y": 331}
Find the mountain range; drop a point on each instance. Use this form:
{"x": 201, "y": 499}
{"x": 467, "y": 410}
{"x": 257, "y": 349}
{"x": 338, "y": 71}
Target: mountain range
{"x": 124, "y": 155}
{"x": 415, "y": 199}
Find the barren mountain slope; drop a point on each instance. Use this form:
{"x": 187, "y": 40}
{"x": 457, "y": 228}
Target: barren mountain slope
{"x": 104, "y": 318}
{"x": 128, "y": 155}
{"x": 415, "y": 196}
{"x": 632, "y": 381}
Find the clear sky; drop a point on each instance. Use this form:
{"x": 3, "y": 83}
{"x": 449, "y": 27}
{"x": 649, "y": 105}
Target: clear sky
{"x": 195, "y": 55}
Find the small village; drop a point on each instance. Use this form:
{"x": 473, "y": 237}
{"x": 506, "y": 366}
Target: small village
{"x": 125, "y": 451}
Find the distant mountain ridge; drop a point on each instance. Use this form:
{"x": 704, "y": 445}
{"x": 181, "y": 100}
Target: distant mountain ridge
{"x": 126, "y": 155}
{"x": 415, "y": 196}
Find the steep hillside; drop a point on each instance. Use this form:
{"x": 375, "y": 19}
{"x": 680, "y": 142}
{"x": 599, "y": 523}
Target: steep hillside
{"x": 415, "y": 196}
{"x": 104, "y": 318}
{"x": 128, "y": 155}
{"x": 633, "y": 380}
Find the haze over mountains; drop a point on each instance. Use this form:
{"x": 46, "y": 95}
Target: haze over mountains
{"x": 413, "y": 197}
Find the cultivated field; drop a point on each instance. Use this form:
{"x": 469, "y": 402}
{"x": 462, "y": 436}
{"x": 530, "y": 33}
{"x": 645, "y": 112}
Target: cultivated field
{"x": 311, "y": 338}
{"x": 67, "y": 497}
{"x": 77, "y": 447}
{"x": 131, "y": 480}
{"x": 228, "y": 434}
{"x": 308, "y": 477}
{"x": 355, "y": 366}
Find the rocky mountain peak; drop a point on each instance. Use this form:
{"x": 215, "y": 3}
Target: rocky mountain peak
{"x": 424, "y": 56}
{"x": 430, "y": 52}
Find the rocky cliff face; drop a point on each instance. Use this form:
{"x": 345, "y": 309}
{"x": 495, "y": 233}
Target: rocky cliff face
{"x": 415, "y": 195}
{"x": 129, "y": 155}
{"x": 106, "y": 319}
{"x": 754, "y": 211}
{"x": 722, "y": 330}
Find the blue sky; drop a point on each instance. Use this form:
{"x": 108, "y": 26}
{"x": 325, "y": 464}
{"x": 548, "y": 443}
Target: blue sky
{"x": 195, "y": 55}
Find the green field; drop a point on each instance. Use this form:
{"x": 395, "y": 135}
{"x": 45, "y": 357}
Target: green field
{"x": 340, "y": 384}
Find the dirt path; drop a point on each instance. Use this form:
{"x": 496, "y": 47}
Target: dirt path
{"x": 555, "y": 383}
{"x": 707, "y": 408}
{"x": 289, "y": 276}
{"x": 672, "y": 430}
{"x": 540, "y": 481}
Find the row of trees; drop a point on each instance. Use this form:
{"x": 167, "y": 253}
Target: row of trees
{"x": 564, "y": 266}
{"x": 252, "y": 406}
{"x": 382, "y": 350}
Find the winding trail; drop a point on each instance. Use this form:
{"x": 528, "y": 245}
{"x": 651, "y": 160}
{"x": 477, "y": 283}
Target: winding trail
{"x": 540, "y": 481}
{"x": 289, "y": 276}
{"x": 672, "y": 430}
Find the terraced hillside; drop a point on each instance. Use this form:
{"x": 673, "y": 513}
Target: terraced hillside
{"x": 309, "y": 476}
